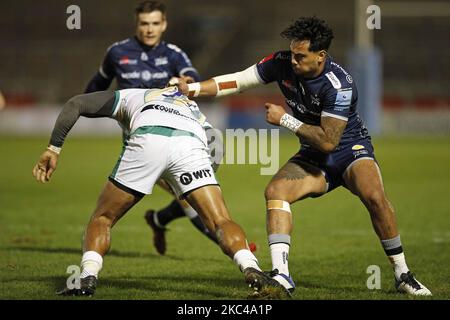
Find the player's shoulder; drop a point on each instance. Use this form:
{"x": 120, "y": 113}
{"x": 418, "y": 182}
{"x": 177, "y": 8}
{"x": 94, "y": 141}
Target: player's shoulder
{"x": 172, "y": 48}
{"x": 337, "y": 77}
{"x": 120, "y": 45}
{"x": 277, "y": 57}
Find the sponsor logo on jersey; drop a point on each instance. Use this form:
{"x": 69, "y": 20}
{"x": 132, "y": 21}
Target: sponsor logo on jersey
{"x": 357, "y": 147}
{"x": 146, "y": 75}
{"x": 315, "y": 100}
{"x": 162, "y": 108}
{"x": 361, "y": 152}
{"x": 333, "y": 79}
{"x": 349, "y": 78}
{"x": 343, "y": 99}
{"x": 127, "y": 61}
{"x": 131, "y": 75}
{"x": 300, "y": 108}
{"x": 144, "y": 56}
{"x": 187, "y": 177}
{"x": 161, "y": 61}
{"x": 283, "y": 56}
{"x": 160, "y": 75}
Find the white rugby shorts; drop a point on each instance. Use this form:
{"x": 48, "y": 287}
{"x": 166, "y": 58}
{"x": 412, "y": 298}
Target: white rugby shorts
{"x": 179, "y": 157}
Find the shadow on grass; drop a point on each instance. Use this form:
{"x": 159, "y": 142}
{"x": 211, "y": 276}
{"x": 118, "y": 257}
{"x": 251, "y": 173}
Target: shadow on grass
{"x": 178, "y": 286}
{"x": 113, "y": 253}
{"x": 327, "y": 288}
{"x": 175, "y": 287}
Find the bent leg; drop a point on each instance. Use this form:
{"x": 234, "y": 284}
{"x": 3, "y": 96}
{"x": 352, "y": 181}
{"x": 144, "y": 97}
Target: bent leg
{"x": 363, "y": 178}
{"x": 292, "y": 182}
{"x": 112, "y": 204}
{"x": 209, "y": 204}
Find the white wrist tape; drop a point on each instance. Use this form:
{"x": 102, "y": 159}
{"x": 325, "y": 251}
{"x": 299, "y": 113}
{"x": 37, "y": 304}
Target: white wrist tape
{"x": 56, "y": 150}
{"x": 290, "y": 122}
{"x": 194, "y": 89}
{"x": 236, "y": 82}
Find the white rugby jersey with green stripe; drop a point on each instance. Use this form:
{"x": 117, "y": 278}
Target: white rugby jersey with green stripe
{"x": 137, "y": 108}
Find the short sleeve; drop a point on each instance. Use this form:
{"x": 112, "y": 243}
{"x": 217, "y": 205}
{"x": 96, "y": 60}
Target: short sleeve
{"x": 182, "y": 64}
{"x": 337, "y": 103}
{"x": 267, "y": 68}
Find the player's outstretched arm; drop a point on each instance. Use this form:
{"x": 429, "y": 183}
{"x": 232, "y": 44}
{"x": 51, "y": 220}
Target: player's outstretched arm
{"x": 92, "y": 105}
{"x": 223, "y": 85}
{"x": 325, "y": 137}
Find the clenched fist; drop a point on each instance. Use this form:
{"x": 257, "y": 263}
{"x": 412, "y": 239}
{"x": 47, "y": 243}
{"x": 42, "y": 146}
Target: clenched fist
{"x": 274, "y": 113}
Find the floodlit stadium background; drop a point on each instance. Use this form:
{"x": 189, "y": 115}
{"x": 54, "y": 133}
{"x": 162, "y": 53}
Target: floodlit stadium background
{"x": 42, "y": 64}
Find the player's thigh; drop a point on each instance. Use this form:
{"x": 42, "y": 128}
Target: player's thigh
{"x": 295, "y": 181}
{"x": 114, "y": 202}
{"x": 363, "y": 178}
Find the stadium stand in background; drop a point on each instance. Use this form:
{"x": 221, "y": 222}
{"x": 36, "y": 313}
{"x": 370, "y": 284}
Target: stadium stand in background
{"x": 44, "y": 63}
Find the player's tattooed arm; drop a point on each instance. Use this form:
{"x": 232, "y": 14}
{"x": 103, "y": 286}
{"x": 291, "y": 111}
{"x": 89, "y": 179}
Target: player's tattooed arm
{"x": 325, "y": 137}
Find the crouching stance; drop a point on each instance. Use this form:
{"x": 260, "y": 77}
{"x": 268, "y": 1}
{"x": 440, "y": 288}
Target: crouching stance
{"x": 164, "y": 138}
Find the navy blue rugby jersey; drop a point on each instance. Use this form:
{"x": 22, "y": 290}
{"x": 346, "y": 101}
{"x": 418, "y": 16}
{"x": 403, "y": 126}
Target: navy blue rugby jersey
{"x": 136, "y": 65}
{"x": 333, "y": 93}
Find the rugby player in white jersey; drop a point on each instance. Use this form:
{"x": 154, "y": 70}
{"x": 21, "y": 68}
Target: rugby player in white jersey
{"x": 164, "y": 139}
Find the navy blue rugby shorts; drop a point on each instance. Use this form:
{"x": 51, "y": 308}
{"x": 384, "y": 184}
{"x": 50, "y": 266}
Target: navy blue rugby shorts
{"x": 335, "y": 164}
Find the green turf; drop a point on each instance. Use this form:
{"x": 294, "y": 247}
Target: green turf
{"x": 332, "y": 245}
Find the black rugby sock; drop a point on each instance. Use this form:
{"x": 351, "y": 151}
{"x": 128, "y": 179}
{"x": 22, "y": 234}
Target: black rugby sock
{"x": 171, "y": 212}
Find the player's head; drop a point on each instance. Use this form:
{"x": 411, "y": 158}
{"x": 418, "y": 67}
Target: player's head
{"x": 310, "y": 39}
{"x": 150, "y": 22}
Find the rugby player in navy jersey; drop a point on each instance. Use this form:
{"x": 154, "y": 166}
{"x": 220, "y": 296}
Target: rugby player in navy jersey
{"x": 335, "y": 150}
{"x": 145, "y": 61}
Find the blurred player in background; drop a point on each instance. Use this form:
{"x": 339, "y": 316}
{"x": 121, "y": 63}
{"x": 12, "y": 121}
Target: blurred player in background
{"x": 165, "y": 138}
{"x": 2, "y": 101}
{"x": 145, "y": 61}
{"x": 335, "y": 148}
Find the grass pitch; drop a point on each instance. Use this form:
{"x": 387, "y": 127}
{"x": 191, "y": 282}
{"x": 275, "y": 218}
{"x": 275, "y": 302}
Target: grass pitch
{"x": 332, "y": 245}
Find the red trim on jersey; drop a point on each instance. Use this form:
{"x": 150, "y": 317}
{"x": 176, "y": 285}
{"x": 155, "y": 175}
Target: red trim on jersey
{"x": 266, "y": 58}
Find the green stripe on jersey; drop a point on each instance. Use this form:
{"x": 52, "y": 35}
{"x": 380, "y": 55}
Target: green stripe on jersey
{"x": 116, "y": 100}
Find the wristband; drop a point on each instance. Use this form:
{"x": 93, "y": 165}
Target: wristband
{"x": 194, "y": 89}
{"x": 289, "y": 122}
{"x": 56, "y": 150}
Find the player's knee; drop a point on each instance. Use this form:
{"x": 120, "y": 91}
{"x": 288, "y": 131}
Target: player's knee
{"x": 101, "y": 220}
{"x": 275, "y": 191}
{"x": 377, "y": 202}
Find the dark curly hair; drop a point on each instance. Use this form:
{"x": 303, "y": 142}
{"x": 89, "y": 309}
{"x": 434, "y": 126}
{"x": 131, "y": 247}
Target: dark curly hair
{"x": 310, "y": 28}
